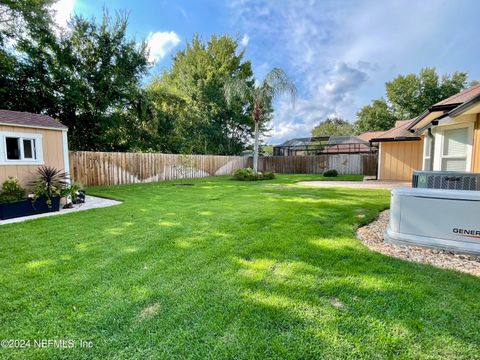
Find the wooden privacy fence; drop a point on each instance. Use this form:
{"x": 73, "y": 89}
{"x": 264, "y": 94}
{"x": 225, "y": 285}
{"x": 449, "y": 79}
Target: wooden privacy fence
{"x": 112, "y": 168}
{"x": 362, "y": 164}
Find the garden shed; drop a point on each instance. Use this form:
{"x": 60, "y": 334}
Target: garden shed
{"x": 28, "y": 141}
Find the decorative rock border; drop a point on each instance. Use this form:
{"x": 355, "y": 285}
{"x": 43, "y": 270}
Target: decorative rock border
{"x": 372, "y": 236}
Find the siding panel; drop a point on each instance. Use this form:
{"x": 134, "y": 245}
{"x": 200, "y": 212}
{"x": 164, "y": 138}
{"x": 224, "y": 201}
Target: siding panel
{"x": 399, "y": 159}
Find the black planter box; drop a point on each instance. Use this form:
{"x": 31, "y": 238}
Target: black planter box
{"x": 28, "y": 207}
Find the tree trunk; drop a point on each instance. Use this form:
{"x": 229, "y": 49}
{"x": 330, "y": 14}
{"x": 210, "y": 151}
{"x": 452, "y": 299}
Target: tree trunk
{"x": 255, "y": 149}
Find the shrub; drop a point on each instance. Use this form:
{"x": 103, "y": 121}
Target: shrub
{"x": 243, "y": 174}
{"x": 247, "y": 174}
{"x": 269, "y": 175}
{"x": 330, "y": 173}
{"x": 11, "y": 191}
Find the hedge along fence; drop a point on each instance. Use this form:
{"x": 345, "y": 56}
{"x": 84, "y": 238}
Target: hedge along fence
{"x": 113, "y": 168}
{"x": 361, "y": 164}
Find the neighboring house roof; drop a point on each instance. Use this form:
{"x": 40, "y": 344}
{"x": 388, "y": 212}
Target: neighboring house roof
{"x": 304, "y": 141}
{"x": 329, "y": 140}
{"x": 26, "y": 119}
{"x": 345, "y": 139}
{"x": 398, "y": 133}
{"x": 445, "y": 107}
{"x": 346, "y": 144}
{"x": 296, "y": 142}
{"x": 327, "y": 144}
{"x": 367, "y": 136}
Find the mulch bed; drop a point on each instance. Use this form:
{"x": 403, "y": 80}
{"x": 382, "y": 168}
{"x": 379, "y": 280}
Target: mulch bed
{"x": 372, "y": 236}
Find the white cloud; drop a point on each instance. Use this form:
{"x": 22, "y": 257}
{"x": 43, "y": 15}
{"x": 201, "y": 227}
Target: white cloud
{"x": 245, "y": 40}
{"x": 333, "y": 50}
{"x": 161, "y": 43}
{"x": 63, "y": 10}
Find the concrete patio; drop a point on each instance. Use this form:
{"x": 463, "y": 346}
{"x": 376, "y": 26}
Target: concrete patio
{"x": 91, "y": 202}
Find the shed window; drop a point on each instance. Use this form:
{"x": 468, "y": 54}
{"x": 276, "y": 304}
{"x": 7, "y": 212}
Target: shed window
{"x": 13, "y": 148}
{"x": 18, "y": 148}
{"x": 28, "y": 148}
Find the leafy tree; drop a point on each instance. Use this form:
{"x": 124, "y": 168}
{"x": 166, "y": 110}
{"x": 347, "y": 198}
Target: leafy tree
{"x": 375, "y": 117}
{"x": 333, "y": 126}
{"x": 88, "y": 77}
{"x": 25, "y": 33}
{"x": 275, "y": 83}
{"x": 408, "y": 96}
{"x": 204, "y": 124}
{"x": 24, "y": 18}
{"x": 98, "y": 74}
{"x": 412, "y": 94}
{"x": 266, "y": 150}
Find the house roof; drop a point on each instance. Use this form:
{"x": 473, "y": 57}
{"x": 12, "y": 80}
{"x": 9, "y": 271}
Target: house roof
{"x": 26, "y": 119}
{"x": 461, "y": 97}
{"x": 398, "y": 133}
{"x": 367, "y": 136}
{"x": 445, "y": 107}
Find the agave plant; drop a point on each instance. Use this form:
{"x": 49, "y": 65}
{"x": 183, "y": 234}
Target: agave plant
{"x": 49, "y": 183}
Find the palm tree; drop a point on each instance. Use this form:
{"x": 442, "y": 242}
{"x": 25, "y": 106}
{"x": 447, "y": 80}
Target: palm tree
{"x": 275, "y": 83}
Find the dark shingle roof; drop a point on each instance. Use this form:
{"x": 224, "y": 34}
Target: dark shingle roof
{"x": 444, "y": 107}
{"x": 367, "y": 136}
{"x": 398, "y": 133}
{"x": 29, "y": 119}
{"x": 462, "y": 96}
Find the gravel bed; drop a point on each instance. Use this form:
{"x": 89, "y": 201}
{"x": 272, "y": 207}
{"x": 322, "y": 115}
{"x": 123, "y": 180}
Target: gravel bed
{"x": 372, "y": 236}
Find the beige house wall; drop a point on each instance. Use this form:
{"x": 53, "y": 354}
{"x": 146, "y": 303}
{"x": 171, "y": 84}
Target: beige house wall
{"x": 52, "y": 142}
{"x": 398, "y": 159}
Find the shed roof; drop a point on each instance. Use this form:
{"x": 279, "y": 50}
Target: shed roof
{"x": 26, "y": 119}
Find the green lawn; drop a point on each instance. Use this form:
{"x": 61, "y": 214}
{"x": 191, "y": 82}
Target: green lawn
{"x": 226, "y": 269}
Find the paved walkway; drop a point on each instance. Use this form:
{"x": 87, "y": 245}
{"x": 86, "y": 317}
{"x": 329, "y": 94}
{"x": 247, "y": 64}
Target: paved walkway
{"x": 91, "y": 202}
{"x": 370, "y": 184}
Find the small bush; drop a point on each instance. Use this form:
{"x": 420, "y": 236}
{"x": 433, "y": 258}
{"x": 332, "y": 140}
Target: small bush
{"x": 330, "y": 173}
{"x": 11, "y": 191}
{"x": 243, "y": 174}
{"x": 247, "y": 174}
{"x": 269, "y": 175}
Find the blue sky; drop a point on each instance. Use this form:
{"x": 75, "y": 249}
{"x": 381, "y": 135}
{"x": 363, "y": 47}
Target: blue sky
{"x": 339, "y": 53}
